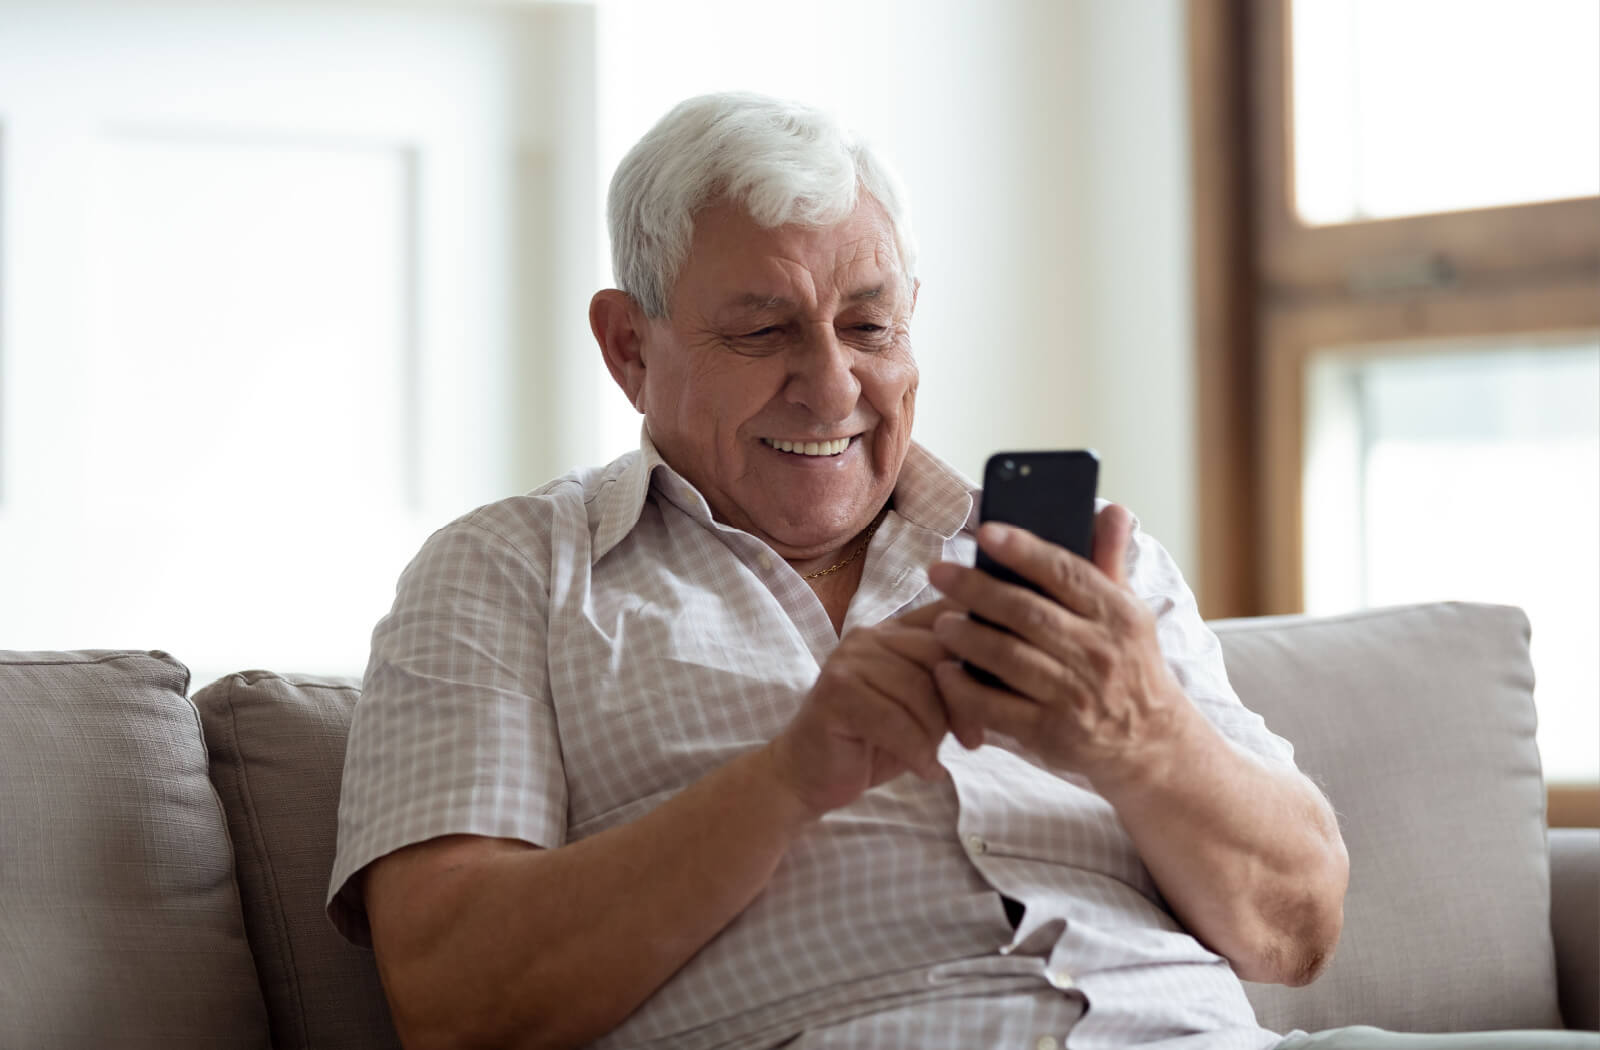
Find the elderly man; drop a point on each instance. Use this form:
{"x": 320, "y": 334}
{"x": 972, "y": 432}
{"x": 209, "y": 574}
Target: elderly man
{"x": 680, "y": 752}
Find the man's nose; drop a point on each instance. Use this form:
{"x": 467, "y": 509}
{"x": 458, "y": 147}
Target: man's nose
{"x": 822, "y": 374}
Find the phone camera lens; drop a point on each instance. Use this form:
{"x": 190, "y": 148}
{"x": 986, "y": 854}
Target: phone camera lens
{"x": 1008, "y": 470}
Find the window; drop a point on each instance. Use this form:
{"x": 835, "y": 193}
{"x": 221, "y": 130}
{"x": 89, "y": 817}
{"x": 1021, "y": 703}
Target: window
{"x": 1407, "y": 107}
{"x": 1398, "y": 244}
{"x": 1437, "y": 471}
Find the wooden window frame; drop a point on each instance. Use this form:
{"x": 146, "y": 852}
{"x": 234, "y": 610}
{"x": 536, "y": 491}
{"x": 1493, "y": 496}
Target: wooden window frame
{"x": 1270, "y": 291}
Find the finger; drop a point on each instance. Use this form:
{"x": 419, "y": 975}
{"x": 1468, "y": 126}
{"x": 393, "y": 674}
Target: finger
{"x": 853, "y": 705}
{"x": 910, "y": 688}
{"x": 1021, "y": 666}
{"x": 967, "y": 730}
{"x": 1070, "y": 580}
{"x": 1043, "y": 623}
{"x": 979, "y": 704}
{"x": 924, "y": 616}
{"x": 886, "y": 726}
{"x": 948, "y": 578}
{"x": 1113, "y": 531}
{"x": 917, "y": 644}
{"x": 965, "y": 589}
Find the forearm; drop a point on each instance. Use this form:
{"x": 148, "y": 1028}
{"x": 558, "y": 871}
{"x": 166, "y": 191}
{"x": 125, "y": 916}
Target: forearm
{"x": 536, "y": 948}
{"x": 1247, "y": 854}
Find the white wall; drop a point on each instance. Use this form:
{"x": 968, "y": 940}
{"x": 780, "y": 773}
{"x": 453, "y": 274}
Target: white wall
{"x": 1044, "y": 147}
{"x": 1136, "y": 325}
{"x": 562, "y": 253}
{"x": 263, "y": 253}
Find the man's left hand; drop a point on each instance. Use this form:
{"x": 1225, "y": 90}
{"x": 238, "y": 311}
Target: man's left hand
{"x": 1089, "y": 689}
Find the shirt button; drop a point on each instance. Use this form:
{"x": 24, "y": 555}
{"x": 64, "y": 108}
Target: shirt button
{"x": 1059, "y": 979}
{"x": 1046, "y": 1042}
{"x": 976, "y": 846}
{"x": 766, "y": 563}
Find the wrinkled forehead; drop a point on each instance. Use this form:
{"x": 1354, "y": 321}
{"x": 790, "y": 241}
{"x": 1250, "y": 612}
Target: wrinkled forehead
{"x": 735, "y": 261}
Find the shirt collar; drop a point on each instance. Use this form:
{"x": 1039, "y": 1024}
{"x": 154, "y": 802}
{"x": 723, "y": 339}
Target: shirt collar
{"x": 620, "y": 497}
{"x": 929, "y": 493}
{"x": 934, "y": 495}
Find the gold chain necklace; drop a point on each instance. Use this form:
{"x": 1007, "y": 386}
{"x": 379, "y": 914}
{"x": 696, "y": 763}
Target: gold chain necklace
{"x": 858, "y": 552}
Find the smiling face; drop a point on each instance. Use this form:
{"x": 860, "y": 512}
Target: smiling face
{"x": 781, "y": 383}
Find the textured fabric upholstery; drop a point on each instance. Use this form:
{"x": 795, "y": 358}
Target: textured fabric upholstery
{"x": 1418, "y": 722}
{"x": 119, "y": 917}
{"x": 277, "y": 750}
{"x": 121, "y": 923}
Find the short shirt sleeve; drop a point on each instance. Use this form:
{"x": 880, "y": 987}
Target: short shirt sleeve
{"x": 1192, "y": 651}
{"x": 455, "y": 732}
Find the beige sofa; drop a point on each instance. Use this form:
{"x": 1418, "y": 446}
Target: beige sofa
{"x": 163, "y": 861}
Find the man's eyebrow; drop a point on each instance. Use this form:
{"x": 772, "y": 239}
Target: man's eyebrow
{"x": 757, "y": 301}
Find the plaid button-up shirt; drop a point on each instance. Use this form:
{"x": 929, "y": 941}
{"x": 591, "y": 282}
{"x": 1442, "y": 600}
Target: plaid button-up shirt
{"x": 563, "y": 662}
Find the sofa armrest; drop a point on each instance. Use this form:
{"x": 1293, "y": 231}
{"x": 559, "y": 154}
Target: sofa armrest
{"x": 1575, "y": 922}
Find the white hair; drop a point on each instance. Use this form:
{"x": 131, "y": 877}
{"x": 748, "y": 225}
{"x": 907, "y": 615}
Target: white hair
{"x": 782, "y": 162}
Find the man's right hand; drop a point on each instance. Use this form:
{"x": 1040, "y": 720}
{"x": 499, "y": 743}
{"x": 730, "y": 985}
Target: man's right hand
{"x": 873, "y": 714}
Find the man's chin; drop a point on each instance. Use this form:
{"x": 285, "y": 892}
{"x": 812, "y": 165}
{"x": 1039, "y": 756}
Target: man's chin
{"x": 800, "y": 545}
{"x": 811, "y": 535}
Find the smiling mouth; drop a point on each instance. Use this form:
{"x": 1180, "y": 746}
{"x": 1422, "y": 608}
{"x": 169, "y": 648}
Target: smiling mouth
{"x": 809, "y": 448}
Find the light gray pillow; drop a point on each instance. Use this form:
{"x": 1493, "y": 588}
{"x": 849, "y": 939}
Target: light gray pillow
{"x": 1418, "y": 721}
{"x": 277, "y": 755}
{"x": 119, "y": 917}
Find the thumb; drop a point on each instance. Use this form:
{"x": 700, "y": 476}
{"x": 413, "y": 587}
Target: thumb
{"x": 924, "y": 616}
{"x": 1113, "y": 531}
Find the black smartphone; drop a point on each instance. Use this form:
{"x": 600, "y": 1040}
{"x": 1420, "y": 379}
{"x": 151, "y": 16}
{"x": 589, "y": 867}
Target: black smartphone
{"x": 1051, "y": 494}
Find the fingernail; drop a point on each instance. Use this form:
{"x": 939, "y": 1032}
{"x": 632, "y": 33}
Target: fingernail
{"x": 995, "y": 533}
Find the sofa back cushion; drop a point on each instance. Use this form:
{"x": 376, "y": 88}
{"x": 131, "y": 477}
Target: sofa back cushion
{"x": 1418, "y": 722}
{"x": 277, "y": 754}
{"x": 119, "y": 915}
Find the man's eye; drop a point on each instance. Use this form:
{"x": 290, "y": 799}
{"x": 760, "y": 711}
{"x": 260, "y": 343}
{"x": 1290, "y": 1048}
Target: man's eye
{"x": 759, "y": 342}
{"x": 871, "y": 336}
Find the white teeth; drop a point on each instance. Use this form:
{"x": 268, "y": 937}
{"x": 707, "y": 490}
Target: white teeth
{"x": 810, "y": 448}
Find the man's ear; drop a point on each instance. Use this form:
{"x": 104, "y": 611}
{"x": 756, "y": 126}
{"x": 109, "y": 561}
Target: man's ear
{"x": 618, "y": 326}
{"x": 916, "y": 286}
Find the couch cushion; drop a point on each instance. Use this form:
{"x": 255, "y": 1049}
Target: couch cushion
{"x": 119, "y": 917}
{"x": 1418, "y": 722}
{"x": 277, "y": 754}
